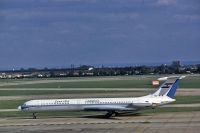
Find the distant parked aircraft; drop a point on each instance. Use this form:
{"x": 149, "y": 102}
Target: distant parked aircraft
{"x": 113, "y": 106}
{"x": 162, "y": 78}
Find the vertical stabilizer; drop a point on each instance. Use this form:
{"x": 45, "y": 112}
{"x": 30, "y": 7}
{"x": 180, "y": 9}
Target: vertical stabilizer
{"x": 168, "y": 88}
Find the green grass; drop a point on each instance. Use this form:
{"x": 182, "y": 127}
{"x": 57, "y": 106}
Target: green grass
{"x": 47, "y": 114}
{"x": 190, "y": 83}
{"x": 88, "y": 84}
{"x": 11, "y": 104}
{"x": 187, "y": 99}
{"x": 122, "y": 82}
{"x": 14, "y": 114}
{"x": 170, "y": 109}
{"x": 56, "y": 92}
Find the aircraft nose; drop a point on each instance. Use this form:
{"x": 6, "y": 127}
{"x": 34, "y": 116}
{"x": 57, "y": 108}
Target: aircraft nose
{"x": 19, "y": 108}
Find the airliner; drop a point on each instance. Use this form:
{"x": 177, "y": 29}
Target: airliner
{"x": 113, "y": 106}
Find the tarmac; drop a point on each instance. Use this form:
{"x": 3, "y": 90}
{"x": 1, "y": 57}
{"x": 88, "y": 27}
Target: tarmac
{"x": 187, "y": 122}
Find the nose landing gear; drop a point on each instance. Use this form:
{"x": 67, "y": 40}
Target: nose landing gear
{"x": 34, "y": 116}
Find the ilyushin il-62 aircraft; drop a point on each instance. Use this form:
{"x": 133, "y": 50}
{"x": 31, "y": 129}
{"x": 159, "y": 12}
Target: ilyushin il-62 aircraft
{"x": 113, "y": 106}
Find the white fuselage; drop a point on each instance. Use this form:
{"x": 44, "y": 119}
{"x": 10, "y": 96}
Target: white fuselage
{"x": 96, "y": 104}
{"x": 163, "y": 95}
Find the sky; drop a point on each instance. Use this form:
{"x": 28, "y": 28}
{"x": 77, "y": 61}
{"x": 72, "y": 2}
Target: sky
{"x": 58, "y": 33}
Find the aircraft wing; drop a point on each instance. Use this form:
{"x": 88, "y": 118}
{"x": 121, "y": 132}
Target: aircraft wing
{"x": 107, "y": 108}
{"x": 129, "y": 107}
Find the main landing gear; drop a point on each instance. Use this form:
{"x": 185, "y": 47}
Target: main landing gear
{"x": 34, "y": 116}
{"x": 111, "y": 113}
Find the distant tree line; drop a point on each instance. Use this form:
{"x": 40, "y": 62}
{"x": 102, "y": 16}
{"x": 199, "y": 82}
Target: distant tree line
{"x": 88, "y": 70}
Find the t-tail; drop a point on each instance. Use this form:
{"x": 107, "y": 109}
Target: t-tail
{"x": 169, "y": 87}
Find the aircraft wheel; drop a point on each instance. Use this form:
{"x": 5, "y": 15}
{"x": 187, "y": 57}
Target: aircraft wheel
{"x": 109, "y": 114}
{"x": 117, "y": 113}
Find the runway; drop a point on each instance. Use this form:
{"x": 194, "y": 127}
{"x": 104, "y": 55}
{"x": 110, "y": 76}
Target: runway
{"x": 152, "y": 123}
